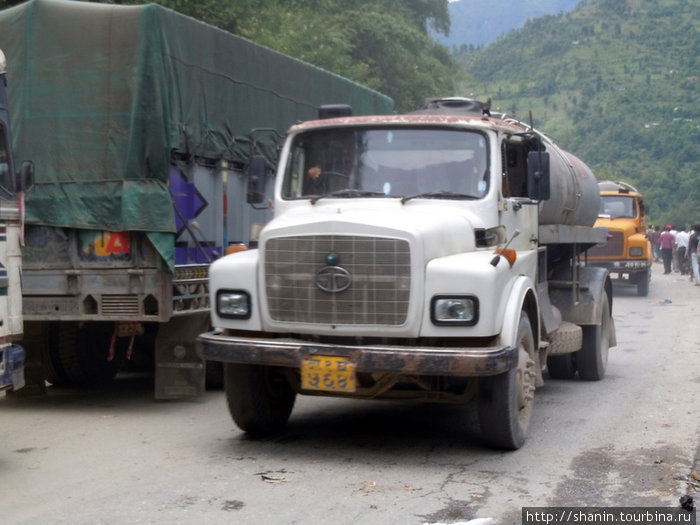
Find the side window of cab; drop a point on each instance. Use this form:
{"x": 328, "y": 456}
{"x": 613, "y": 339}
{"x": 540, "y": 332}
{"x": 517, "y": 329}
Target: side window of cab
{"x": 514, "y": 170}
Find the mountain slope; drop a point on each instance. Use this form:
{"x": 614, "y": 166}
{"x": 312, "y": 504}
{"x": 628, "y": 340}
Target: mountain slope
{"x": 479, "y": 22}
{"x": 615, "y": 83}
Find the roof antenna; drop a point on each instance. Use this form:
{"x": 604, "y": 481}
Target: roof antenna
{"x": 486, "y": 107}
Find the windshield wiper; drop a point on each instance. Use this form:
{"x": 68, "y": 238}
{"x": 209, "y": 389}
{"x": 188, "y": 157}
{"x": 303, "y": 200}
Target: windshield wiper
{"x": 438, "y": 194}
{"x": 349, "y": 193}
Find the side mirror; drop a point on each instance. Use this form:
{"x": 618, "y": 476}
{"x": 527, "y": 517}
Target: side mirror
{"x": 256, "y": 179}
{"x": 25, "y": 181}
{"x": 538, "y": 183}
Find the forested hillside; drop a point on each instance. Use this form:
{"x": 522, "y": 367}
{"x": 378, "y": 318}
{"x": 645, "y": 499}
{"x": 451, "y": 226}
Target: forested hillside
{"x": 613, "y": 81}
{"x": 617, "y": 84}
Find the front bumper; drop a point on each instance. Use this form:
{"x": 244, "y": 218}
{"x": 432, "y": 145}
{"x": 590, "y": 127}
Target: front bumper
{"x": 622, "y": 269}
{"x": 415, "y": 360}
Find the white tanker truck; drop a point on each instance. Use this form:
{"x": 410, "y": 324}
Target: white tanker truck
{"x": 433, "y": 256}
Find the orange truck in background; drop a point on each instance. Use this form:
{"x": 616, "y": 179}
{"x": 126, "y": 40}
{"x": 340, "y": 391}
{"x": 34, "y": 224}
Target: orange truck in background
{"x": 627, "y": 253}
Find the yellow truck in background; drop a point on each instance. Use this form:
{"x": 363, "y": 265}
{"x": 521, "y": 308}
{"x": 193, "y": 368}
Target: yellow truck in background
{"x": 627, "y": 253}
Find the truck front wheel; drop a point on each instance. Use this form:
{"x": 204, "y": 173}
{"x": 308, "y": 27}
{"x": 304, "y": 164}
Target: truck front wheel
{"x": 643, "y": 284}
{"x": 259, "y": 398}
{"x": 505, "y": 401}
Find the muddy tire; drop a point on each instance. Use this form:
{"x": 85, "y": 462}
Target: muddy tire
{"x": 214, "y": 371}
{"x": 592, "y": 359}
{"x": 259, "y": 398}
{"x": 505, "y": 401}
{"x": 561, "y": 366}
{"x": 63, "y": 342}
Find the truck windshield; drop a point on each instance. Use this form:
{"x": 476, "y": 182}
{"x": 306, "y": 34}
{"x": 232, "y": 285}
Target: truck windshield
{"x": 387, "y": 162}
{"x": 617, "y": 207}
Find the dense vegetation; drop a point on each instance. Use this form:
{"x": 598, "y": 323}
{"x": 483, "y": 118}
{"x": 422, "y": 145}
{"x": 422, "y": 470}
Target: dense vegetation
{"x": 617, "y": 84}
{"x": 613, "y": 81}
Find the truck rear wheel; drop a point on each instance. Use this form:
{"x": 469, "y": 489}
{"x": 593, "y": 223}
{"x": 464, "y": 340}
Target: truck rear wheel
{"x": 506, "y": 400}
{"x": 561, "y": 366}
{"x": 259, "y": 398}
{"x": 592, "y": 359}
{"x": 79, "y": 354}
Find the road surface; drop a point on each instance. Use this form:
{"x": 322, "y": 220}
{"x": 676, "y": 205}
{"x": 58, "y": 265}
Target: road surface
{"x": 119, "y": 457}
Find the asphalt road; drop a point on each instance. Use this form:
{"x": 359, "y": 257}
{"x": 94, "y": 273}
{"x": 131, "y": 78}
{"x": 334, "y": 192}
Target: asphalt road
{"x": 119, "y": 457}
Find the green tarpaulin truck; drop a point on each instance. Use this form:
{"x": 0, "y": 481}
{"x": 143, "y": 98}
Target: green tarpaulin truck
{"x": 141, "y": 122}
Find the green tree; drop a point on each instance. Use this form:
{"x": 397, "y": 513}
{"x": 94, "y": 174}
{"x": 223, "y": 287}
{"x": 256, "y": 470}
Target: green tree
{"x": 625, "y": 77}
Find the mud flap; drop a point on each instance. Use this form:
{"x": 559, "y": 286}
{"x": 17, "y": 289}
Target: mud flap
{"x": 12, "y": 367}
{"x": 180, "y": 370}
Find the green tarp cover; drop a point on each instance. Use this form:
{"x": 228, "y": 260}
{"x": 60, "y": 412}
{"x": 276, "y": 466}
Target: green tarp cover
{"x": 100, "y": 95}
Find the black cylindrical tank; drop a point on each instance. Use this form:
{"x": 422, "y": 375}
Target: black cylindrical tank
{"x": 575, "y": 197}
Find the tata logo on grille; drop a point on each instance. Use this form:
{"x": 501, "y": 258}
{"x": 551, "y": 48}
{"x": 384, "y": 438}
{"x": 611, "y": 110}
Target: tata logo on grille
{"x": 333, "y": 279}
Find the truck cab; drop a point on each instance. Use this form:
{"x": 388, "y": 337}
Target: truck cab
{"x": 431, "y": 256}
{"x": 626, "y": 253}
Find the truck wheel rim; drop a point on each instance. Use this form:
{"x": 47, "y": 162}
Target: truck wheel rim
{"x": 525, "y": 385}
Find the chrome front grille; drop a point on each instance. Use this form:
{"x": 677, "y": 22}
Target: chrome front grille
{"x": 380, "y": 270}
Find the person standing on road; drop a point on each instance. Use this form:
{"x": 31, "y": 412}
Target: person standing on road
{"x": 693, "y": 251}
{"x": 674, "y": 259}
{"x": 653, "y": 237}
{"x": 666, "y": 243}
{"x": 682, "y": 238}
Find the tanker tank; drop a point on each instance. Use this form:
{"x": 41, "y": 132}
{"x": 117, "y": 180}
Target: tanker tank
{"x": 575, "y": 197}
{"x": 574, "y": 194}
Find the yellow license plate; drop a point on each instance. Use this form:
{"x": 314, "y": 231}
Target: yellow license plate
{"x": 328, "y": 373}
